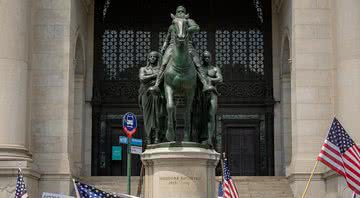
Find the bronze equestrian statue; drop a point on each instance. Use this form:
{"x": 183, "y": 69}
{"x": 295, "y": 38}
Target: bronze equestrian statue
{"x": 180, "y": 73}
{"x": 178, "y": 70}
{"x": 180, "y": 77}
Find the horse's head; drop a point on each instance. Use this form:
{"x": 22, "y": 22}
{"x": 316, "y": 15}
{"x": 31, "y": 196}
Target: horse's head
{"x": 181, "y": 28}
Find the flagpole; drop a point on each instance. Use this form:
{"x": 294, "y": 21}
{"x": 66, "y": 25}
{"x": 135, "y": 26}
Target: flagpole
{"x": 308, "y": 183}
{"x": 142, "y": 172}
{"x": 76, "y": 189}
{"x": 222, "y": 166}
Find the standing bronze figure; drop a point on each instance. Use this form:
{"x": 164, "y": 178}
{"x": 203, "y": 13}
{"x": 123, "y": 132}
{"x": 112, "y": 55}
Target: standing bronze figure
{"x": 150, "y": 104}
{"x": 213, "y": 75}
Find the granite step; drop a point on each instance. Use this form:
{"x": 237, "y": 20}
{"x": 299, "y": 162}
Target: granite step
{"x": 248, "y": 186}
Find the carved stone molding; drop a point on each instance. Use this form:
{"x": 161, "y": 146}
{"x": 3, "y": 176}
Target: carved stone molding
{"x": 14, "y": 152}
{"x": 304, "y": 177}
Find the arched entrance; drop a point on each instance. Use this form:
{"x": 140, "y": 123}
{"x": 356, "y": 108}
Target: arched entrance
{"x": 77, "y": 121}
{"x": 239, "y": 38}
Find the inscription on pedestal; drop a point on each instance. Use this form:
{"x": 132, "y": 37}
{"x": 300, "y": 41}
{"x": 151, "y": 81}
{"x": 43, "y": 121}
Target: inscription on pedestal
{"x": 177, "y": 173}
{"x": 178, "y": 180}
{"x": 181, "y": 182}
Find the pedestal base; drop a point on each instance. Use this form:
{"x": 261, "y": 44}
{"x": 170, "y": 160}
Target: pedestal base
{"x": 179, "y": 172}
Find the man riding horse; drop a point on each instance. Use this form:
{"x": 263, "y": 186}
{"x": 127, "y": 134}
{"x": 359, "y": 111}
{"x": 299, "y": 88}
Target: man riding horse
{"x": 179, "y": 71}
{"x": 167, "y": 49}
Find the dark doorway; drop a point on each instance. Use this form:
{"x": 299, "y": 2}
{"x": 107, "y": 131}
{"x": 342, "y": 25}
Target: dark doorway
{"x": 241, "y": 147}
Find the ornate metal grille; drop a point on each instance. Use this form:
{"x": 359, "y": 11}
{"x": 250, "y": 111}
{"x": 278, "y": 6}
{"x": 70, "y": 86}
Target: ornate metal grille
{"x": 162, "y": 36}
{"x": 259, "y": 9}
{"x": 240, "y": 54}
{"x": 126, "y": 51}
{"x": 200, "y": 42}
{"x": 222, "y": 43}
{"x": 239, "y": 48}
{"x": 243, "y": 49}
{"x": 142, "y": 46}
{"x": 256, "y": 52}
{"x": 110, "y": 53}
{"x": 122, "y": 50}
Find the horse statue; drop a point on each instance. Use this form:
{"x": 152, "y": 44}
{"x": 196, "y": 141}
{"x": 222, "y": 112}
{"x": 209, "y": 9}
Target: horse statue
{"x": 180, "y": 77}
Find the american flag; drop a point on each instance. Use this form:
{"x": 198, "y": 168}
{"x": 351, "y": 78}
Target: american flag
{"x": 87, "y": 191}
{"x": 20, "y": 191}
{"x": 220, "y": 190}
{"x": 341, "y": 154}
{"x": 230, "y": 190}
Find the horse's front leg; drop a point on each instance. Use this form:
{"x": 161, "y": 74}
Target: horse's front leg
{"x": 170, "y": 107}
{"x": 189, "y": 97}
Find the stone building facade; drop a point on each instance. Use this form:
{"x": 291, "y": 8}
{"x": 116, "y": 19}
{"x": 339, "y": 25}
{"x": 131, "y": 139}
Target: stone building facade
{"x": 46, "y": 88}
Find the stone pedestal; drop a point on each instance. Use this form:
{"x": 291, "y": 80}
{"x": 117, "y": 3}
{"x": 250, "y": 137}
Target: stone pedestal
{"x": 179, "y": 172}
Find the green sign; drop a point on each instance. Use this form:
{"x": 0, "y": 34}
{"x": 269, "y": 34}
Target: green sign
{"x": 116, "y": 153}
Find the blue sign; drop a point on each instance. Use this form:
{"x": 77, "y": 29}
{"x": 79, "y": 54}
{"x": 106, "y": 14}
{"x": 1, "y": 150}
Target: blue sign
{"x": 129, "y": 124}
{"x": 116, "y": 153}
{"x": 134, "y": 141}
{"x": 123, "y": 140}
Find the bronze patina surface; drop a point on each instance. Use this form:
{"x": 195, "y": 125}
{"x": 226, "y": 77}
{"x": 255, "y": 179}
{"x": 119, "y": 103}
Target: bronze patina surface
{"x": 179, "y": 72}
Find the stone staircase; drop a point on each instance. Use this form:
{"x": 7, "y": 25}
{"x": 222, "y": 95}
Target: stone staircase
{"x": 248, "y": 187}
{"x": 113, "y": 183}
{"x": 263, "y": 187}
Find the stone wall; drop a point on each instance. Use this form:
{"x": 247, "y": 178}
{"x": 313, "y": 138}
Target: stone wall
{"x": 311, "y": 89}
{"x": 281, "y": 24}
{"x": 77, "y": 84}
{"x": 324, "y": 83}
{"x": 58, "y": 25}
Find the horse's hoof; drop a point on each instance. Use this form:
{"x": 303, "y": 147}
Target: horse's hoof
{"x": 218, "y": 148}
{"x": 186, "y": 139}
{"x": 156, "y": 141}
{"x": 210, "y": 144}
{"x": 207, "y": 143}
{"x": 147, "y": 141}
{"x": 170, "y": 136}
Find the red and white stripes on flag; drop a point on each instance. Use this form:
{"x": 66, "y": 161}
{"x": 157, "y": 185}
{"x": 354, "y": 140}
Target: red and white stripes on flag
{"x": 229, "y": 187}
{"x": 340, "y": 153}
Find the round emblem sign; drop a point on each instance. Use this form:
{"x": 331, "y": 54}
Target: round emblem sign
{"x": 129, "y": 124}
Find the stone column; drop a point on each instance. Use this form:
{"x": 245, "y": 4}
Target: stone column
{"x": 15, "y": 22}
{"x": 312, "y": 85}
{"x": 14, "y": 55}
{"x": 348, "y": 65}
{"x": 347, "y": 100}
